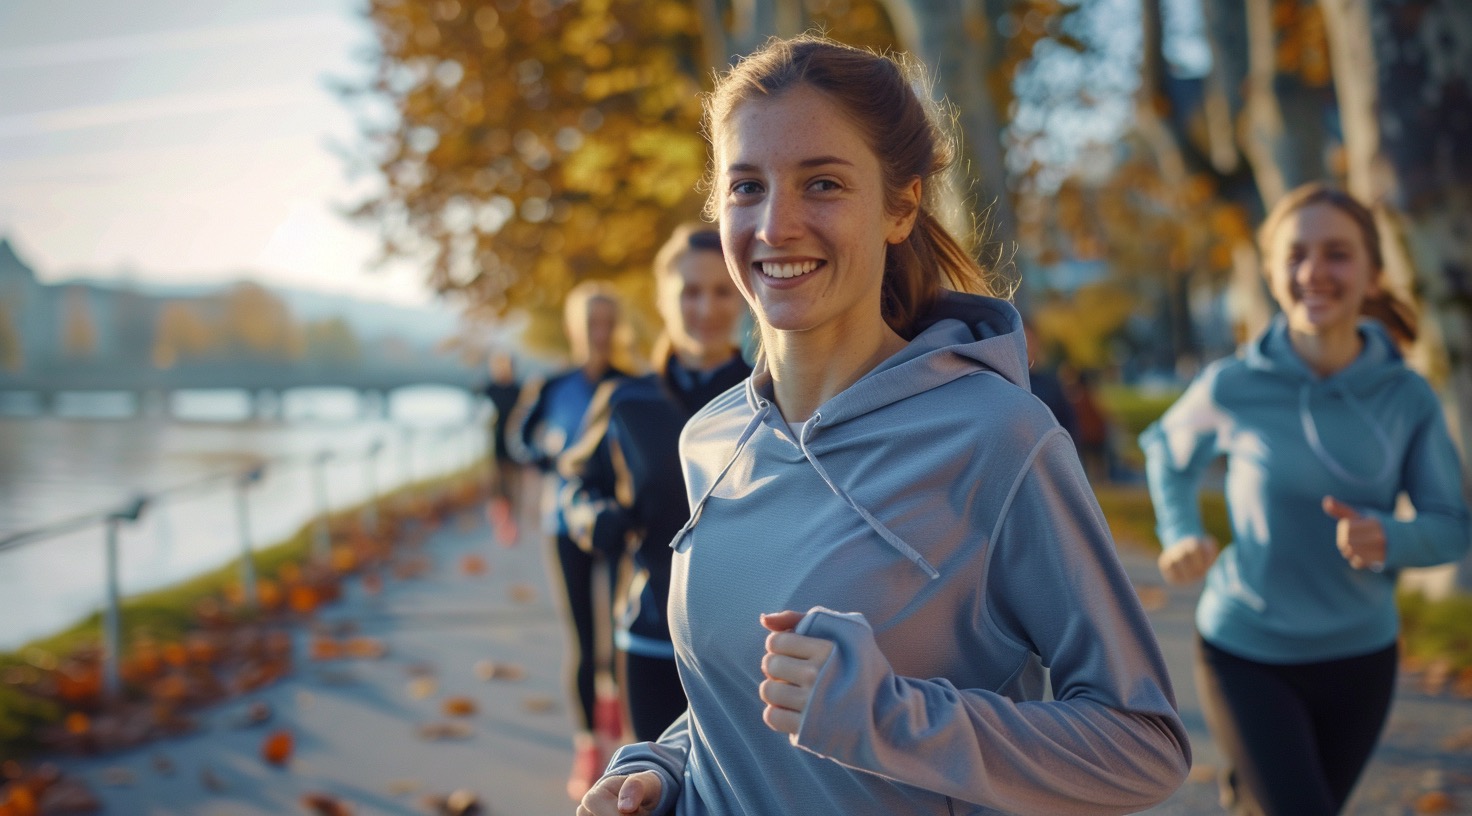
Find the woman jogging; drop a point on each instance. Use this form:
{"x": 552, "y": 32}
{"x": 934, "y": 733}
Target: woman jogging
{"x": 1322, "y": 427}
{"x": 624, "y": 477}
{"x": 890, "y": 537}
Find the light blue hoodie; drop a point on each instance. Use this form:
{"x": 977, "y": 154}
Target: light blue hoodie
{"x": 1282, "y": 592}
{"x": 940, "y": 508}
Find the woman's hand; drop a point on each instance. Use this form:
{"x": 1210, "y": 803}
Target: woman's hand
{"x": 637, "y": 794}
{"x": 1360, "y": 539}
{"x": 1187, "y": 560}
{"x": 791, "y": 665}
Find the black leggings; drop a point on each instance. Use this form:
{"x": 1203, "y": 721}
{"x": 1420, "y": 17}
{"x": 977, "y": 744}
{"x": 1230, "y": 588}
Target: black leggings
{"x": 1294, "y": 737}
{"x": 652, "y": 689}
{"x": 577, "y": 586}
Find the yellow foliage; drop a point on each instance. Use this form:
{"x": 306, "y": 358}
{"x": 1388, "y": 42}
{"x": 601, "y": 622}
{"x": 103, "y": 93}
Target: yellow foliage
{"x": 1082, "y": 326}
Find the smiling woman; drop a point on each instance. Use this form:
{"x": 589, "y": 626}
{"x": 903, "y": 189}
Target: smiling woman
{"x": 885, "y": 469}
{"x": 1324, "y": 429}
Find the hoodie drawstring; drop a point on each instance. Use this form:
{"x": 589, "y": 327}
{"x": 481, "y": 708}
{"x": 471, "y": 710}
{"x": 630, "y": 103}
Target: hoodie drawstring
{"x": 884, "y": 532}
{"x": 756, "y": 421}
{"x": 751, "y": 426}
{"x": 1311, "y": 431}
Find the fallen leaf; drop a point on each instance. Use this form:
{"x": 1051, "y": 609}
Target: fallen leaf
{"x": 1434, "y": 802}
{"x": 1462, "y": 686}
{"x": 459, "y": 803}
{"x": 276, "y": 748}
{"x": 1460, "y": 741}
{"x": 458, "y": 707}
{"x": 539, "y": 703}
{"x": 324, "y": 648}
{"x": 322, "y": 804}
{"x": 473, "y": 565}
{"x": 421, "y": 688}
{"x": 78, "y": 723}
{"x": 437, "y": 731}
{"x": 365, "y": 648}
{"x": 489, "y": 670}
{"x": 522, "y": 593}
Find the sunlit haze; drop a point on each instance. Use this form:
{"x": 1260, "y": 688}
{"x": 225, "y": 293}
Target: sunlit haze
{"x": 185, "y": 142}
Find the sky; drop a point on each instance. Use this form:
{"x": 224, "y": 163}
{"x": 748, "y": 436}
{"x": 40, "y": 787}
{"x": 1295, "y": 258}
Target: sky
{"x": 181, "y": 141}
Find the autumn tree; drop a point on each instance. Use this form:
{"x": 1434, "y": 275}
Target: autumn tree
{"x": 253, "y": 322}
{"x": 533, "y": 144}
{"x": 331, "y": 341}
{"x": 78, "y": 325}
{"x": 537, "y": 143}
{"x": 182, "y": 335}
{"x": 12, "y": 348}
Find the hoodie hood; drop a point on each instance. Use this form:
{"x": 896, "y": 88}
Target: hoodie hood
{"x": 1379, "y": 360}
{"x": 962, "y": 335}
{"x": 1272, "y": 352}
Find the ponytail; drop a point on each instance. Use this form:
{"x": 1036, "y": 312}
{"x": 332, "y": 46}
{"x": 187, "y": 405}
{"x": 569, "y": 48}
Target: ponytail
{"x": 1394, "y": 314}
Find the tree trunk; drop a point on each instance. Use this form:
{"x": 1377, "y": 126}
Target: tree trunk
{"x": 713, "y": 42}
{"x": 753, "y": 21}
{"x": 955, "y": 40}
{"x": 1403, "y": 72}
{"x": 1273, "y": 117}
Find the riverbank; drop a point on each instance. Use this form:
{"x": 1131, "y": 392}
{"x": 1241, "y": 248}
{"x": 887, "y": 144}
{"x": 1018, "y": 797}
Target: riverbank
{"x": 465, "y": 697}
{"x": 47, "y": 681}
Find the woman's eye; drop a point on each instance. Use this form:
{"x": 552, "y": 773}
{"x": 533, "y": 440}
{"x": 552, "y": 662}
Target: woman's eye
{"x": 824, "y": 185}
{"x": 746, "y": 188}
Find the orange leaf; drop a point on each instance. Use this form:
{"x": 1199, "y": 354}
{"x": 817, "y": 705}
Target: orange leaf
{"x": 322, "y": 804}
{"x": 473, "y": 565}
{"x": 458, "y": 707}
{"x": 78, "y": 723}
{"x": 277, "y": 747}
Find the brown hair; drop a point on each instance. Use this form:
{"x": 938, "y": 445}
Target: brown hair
{"x": 576, "y": 308}
{"x": 1398, "y": 317}
{"x": 904, "y": 131}
{"x": 687, "y": 238}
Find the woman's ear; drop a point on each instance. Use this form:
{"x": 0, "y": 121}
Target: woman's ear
{"x": 909, "y": 209}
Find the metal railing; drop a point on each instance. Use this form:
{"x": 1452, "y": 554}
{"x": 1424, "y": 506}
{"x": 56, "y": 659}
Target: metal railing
{"x": 241, "y": 481}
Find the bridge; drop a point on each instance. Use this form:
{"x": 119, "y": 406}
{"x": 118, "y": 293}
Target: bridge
{"x": 265, "y": 381}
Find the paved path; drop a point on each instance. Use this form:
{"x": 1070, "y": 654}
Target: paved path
{"x": 356, "y": 722}
{"x": 1411, "y": 762}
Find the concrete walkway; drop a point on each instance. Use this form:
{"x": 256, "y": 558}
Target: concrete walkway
{"x": 357, "y": 723}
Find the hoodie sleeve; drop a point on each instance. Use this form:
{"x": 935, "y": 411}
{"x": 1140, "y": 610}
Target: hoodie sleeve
{"x": 665, "y": 757}
{"x": 1432, "y": 478}
{"x": 521, "y": 426}
{"x": 596, "y": 520}
{"x": 1109, "y": 742}
{"x": 1178, "y": 447}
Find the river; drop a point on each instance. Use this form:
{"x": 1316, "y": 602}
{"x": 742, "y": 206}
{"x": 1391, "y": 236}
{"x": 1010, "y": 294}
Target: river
{"x": 95, "y": 456}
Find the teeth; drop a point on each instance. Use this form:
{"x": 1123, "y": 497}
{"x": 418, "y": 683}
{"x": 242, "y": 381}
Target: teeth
{"x": 788, "y": 270}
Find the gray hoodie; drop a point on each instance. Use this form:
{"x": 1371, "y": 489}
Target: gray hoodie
{"x": 939, "y": 507}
